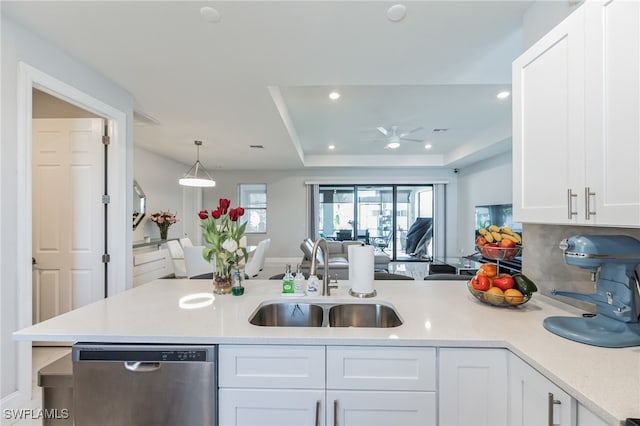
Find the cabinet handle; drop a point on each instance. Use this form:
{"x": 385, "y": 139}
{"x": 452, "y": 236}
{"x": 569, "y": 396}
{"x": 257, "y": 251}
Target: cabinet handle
{"x": 587, "y": 203}
{"x": 551, "y": 403}
{"x": 335, "y": 412}
{"x": 317, "y": 423}
{"x": 570, "y": 196}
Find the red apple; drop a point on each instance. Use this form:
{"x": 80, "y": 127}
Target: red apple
{"x": 507, "y": 243}
{"x": 480, "y": 241}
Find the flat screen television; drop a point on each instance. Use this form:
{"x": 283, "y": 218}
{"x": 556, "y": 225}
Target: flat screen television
{"x": 496, "y": 214}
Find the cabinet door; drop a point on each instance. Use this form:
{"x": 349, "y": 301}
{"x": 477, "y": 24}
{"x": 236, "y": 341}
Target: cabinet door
{"x": 613, "y": 113}
{"x": 473, "y": 386}
{"x": 383, "y": 408}
{"x": 587, "y": 418}
{"x": 372, "y": 367}
{"x": 271, "y": 366}
{"x": 548, "y": 125}
{"x": 270, "y": 407}
{"x": 534, "y": 400}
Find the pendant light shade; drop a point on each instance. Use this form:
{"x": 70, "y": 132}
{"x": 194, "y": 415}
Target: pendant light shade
{"x": 197, "y": 175}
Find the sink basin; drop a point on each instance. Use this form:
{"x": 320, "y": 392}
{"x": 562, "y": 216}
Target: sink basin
{"x": 300, "y": 314}
{"x": 288, "y": 315}
{"x": 363, "y": 315}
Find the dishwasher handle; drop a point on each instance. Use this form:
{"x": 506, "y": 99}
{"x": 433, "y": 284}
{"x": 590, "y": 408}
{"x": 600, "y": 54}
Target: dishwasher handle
{"x": 141, "y": 367}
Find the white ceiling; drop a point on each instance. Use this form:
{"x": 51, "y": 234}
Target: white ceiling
{"x": 262, "y": 74}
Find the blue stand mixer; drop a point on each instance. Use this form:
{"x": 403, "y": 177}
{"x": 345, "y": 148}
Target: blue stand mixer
{"x": 614, "y": 259}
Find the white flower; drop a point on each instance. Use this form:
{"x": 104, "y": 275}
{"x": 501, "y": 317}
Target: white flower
{"x": 243, "y": 241}
{"x": 230, "y": 245}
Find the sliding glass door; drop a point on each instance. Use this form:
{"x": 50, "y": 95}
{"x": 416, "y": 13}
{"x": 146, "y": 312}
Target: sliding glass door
{"x": 395, "y": 219}
{"x": 414, "y": 222}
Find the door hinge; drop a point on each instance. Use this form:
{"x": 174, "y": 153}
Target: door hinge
{"x": 106, "y": 140}
{"x": 106, "y": 258}
{"x": 106, "y": 199}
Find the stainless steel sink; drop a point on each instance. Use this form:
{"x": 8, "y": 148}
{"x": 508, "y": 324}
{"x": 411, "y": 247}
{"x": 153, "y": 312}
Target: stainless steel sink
{"x": 288, "y": 315}
{"x": 363, "y": 315}
{"x": 301, "y": 314}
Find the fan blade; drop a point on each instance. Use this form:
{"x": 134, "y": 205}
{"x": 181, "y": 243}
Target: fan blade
{"x": 417, "y": 129}
{"x": 411, "y": 140}
{"x": 382, "y": 130}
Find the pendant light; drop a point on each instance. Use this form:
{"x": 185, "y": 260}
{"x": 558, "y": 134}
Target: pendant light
{"x": 197, "y": 174}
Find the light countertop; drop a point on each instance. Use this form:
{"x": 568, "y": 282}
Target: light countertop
{"x": 435, "y": 313}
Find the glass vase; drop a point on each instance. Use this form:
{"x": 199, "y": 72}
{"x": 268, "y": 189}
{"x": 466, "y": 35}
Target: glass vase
{"x": 163, "y": 233}
{"x": 221, "y": 284}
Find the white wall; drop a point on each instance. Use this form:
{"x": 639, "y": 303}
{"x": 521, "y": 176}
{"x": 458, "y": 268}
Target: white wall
{"x": 21, "y": 45}
{"x": 486, "y": 182}
{"x": 158, "y": 176}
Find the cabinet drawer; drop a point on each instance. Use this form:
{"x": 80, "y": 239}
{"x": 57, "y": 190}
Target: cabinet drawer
{"x": 386, "y": 368}
{"x": 271, "y": 366}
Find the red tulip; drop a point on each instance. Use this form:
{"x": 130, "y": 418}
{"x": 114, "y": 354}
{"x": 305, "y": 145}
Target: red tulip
{"x": 203, "y": 214}
{"x": 216, "y": 213}
{"x": 234, "y": 214}
{"x": 224, "y": 205}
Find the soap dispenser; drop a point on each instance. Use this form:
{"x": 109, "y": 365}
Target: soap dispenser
{"x": 298, "y": 281}
{"x": 287, "y": 282}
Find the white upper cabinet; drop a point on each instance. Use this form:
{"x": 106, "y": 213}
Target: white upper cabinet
{"x": 612, "y": 139}
{"x": 576, "y": 120}
{"x": 548, "y": 125}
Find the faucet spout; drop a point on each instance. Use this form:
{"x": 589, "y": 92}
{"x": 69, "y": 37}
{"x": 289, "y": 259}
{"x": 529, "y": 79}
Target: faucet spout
{"x": 314, "y": 264}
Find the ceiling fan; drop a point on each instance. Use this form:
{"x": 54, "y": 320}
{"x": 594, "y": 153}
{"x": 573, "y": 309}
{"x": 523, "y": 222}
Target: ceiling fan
{"x": 394, "y": 137}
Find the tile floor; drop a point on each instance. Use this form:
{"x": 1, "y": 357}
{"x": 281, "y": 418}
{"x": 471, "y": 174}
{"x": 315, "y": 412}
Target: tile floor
{"x": 43, "y": 355}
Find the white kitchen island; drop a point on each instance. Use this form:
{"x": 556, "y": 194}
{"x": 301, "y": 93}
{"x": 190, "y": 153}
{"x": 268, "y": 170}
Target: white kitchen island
{"x": 436, "y": 314}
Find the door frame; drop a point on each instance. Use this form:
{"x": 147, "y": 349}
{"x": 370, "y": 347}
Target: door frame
{"x": 119, "y": 236}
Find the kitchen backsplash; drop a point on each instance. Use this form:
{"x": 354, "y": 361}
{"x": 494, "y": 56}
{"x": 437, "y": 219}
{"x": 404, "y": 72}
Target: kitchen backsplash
{"x": 542, "y": 259}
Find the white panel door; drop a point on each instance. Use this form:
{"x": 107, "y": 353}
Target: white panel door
{"x": 534, "y": 400}
{"x": 68, "y": 214}
{"x": 473, "y": 387}
{"x": 613, "y": 113}
{"x": 548, "y": 125}
{"x": 271, "y": 407}
{"x": 381, "y": 408}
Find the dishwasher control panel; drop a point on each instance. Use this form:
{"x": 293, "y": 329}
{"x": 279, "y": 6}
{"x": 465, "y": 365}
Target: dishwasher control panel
{"x": 140, "y": 353}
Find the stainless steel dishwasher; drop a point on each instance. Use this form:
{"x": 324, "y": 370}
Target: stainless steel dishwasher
{"x": 136, "y": 385}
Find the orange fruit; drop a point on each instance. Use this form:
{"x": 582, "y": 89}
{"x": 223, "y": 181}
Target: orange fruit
{"x": 513, "y": 296}
{"x": 494, "y": 295}
{"x": 490, "y": 269}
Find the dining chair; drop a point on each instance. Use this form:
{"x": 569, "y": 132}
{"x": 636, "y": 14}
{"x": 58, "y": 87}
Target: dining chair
{"x": 195, "y": 263}
{"x": 177, "y": 258}
{"x": 185, "y": 241}
{"x": 255, "y": 262}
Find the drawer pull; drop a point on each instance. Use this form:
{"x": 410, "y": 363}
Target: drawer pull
{"x": 551, "y": 403}
{"x": 317, "y": 423}
{"x": 587, "y": 203}
{"x": 570, "y": 212}
{"x": 335, "y": 412}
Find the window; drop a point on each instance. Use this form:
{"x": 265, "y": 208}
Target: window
{"x": 397, "y": 219}
{"x": 253, "y": 198}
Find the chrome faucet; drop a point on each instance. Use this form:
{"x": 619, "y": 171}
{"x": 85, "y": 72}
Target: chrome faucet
{"x": 326, "y": 287}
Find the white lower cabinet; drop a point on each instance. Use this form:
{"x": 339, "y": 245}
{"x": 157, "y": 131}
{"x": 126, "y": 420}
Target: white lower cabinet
{"x": 381, "y": 408}
{"x": 383, "y": 386}
{"x": 271, "y": 407}
{"x": 587, "y": 418}
{"x": 292, "y": 385}
{"x": 473, "y": 386}
{"x": 535, "y": 400}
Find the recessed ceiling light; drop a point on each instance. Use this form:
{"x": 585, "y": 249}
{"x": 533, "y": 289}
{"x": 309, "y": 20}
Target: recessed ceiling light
{"x": 209, "y": 14}
{"x": 393, "y": 145}
{"x": 334, "y": 96}
{"x": 332, "y": 147}
{"x": 428, "y": 146}
{"x": 397, "y": 12}
{"x": 502, "y": 95}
